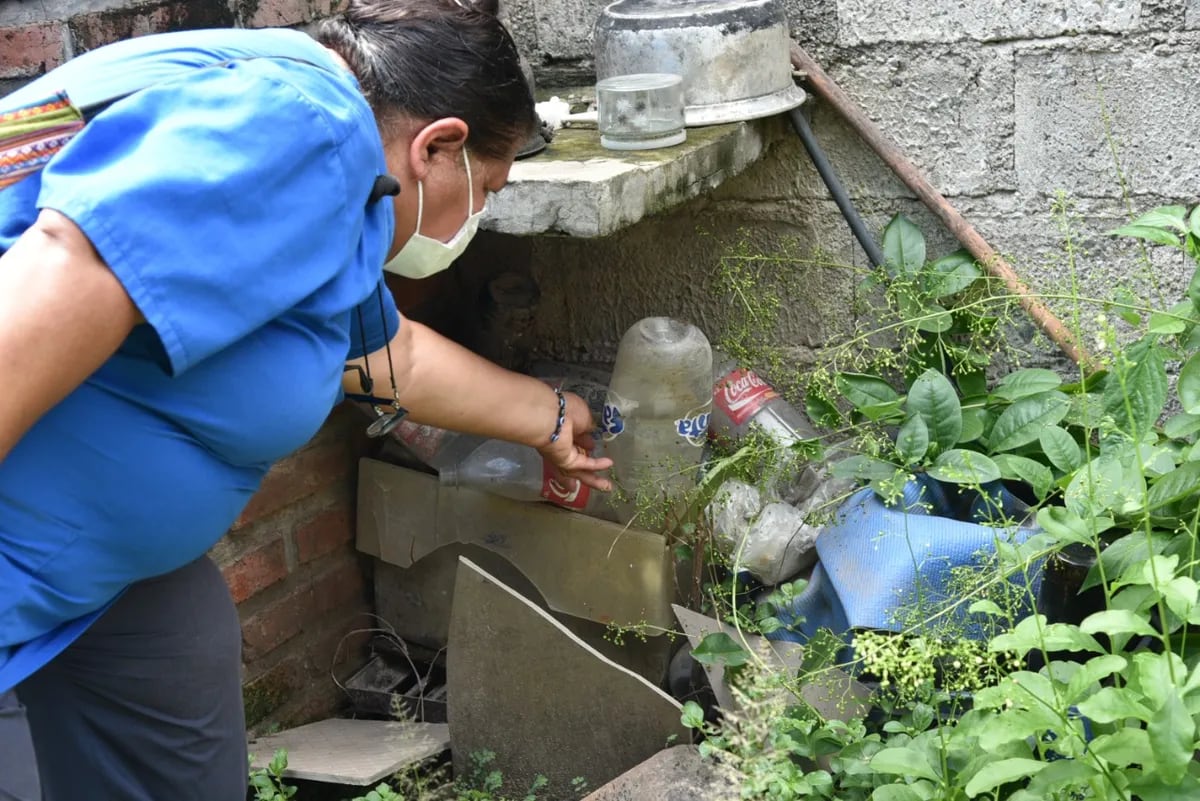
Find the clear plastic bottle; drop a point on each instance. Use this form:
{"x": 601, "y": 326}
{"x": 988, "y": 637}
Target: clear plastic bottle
{"x": 519, "y": 472}
{"x": 655, "y": 419}
{"x": 743, "y": 401}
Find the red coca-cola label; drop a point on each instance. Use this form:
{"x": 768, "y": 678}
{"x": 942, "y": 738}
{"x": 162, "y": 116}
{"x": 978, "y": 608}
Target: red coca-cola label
{"x": 554, "y": 489}
{"x": 741, "y": 394}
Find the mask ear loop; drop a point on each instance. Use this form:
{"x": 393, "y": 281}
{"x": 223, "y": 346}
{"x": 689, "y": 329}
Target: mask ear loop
{"x": 386, "y": 422}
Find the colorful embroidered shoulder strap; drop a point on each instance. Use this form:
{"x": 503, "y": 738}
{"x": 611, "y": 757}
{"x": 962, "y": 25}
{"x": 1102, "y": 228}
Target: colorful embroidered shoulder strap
{"x": 31, "y": 135}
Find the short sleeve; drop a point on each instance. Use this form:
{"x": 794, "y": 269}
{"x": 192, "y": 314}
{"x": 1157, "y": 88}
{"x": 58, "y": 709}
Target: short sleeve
{"x": 225, "y": 198}
{"x": 373, "y": 323}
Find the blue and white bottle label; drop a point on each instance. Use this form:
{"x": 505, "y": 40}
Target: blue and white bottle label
{"x": 693, "y": 426}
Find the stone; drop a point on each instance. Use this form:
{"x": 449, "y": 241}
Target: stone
{"x": 1062, "y": 99}
{"x": 1192, "y": 15}
{"x": 355, "y": 752}
{"x": 564, "y": 28}
{"x": 582, "y": 566}
{"x": 523, "y": 687}
{"x": 578, "y": 188}
{"x": 835, "y": 695}
{"x": 675, "y": 774}
{"x": 866, "y": 22}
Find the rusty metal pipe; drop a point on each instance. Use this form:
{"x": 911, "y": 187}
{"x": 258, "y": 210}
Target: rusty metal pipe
{"x": 991, "y": 261}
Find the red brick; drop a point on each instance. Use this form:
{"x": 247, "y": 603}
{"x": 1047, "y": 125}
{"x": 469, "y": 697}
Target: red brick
{"x": 310, "y": 470}
{"x": 257, "y": 570}
{"x": 278, "y": 622}
{"x": 30, "y": 50}
{"x": 329, "y": 531}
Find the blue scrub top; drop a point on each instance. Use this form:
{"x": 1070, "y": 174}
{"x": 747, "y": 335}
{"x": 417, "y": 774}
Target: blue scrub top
{"x": 230, "y": 199}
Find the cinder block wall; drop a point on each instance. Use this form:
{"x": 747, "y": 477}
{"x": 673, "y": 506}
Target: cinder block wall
{"x": 1000, "y": 105}
{"x": 290, "y": 560}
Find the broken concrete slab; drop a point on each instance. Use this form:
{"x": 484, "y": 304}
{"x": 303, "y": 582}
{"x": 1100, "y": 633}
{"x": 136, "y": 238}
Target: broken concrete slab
{"x": 414, "y": 603}
{"x": 834, "y": 695}
{"x": 522, "y": 686}
{"x": 355, "y": 752}
{"x": 676, "y": 774}
{"x": 583, "y": 567}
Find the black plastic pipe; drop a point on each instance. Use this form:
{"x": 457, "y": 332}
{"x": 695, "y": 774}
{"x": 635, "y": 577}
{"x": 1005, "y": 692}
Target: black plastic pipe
{"x": 825, "y": 169}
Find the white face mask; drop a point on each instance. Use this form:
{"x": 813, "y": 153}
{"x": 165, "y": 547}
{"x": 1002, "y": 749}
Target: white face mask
{"x": 423, "y": 256}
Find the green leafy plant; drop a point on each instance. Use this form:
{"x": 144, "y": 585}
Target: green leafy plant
{"x": 267, "y": 783}
{"x": 1105, "y": 707}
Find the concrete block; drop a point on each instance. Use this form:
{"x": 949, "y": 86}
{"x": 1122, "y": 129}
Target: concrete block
{"x": 356, "y": 752}
{"x": 1060, "y": 137}
{"x": 865, "y": 22}
{"x": 521, "y": 18}
{"x": 812, "y": 22}
{"x": 524, "y": 687}
{"x": 578, "y": 188}
{"x": 1192, "y": 15}
{"x": 564, "y": 27}
{"x": 676, "y": 774}
{"x": 949, "y": 111}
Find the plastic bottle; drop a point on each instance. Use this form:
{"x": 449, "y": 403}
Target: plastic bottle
{"x": 655, "y": 419}
{"x": 519, "y": 472}
{"x": 743, "y": 401}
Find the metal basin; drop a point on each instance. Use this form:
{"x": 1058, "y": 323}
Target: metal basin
{"x": 733, "y": 55}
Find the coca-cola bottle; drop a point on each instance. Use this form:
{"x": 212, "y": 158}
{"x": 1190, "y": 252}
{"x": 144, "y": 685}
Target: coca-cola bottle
{"x": 742, "y": 401}
{"x": 519, "y": 472}
{"x": 655, "y": 419}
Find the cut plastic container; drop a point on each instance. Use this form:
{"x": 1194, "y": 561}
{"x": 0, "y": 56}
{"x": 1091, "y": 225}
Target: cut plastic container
{"x": 642, "y": 111}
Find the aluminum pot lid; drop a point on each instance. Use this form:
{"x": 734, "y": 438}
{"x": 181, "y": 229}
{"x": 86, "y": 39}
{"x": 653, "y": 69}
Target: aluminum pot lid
{"x": 647, "y": 14}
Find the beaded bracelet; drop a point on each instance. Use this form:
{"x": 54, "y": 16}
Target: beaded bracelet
{"x": 562, "y": 414}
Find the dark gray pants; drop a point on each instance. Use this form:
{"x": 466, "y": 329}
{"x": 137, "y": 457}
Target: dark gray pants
{"x": 145, "y": 706}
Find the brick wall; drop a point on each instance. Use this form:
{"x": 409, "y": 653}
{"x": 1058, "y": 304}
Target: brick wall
{"x": 290, "y": 561}
{"x": 37, "y": 36}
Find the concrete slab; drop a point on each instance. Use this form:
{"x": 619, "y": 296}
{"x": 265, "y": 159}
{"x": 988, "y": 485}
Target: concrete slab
{"x": 578, "y": 188}
{"x": 522, "y": 686}
{"x": 583, "y": 567}
{"x": 863, "y": 21}
{"x": 355, "y": 752}
{"x": 676, "y": 774}
{"x": 835, "y": 696}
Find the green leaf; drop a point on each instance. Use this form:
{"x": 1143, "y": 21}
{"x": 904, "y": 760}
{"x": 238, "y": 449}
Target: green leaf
{"x": 903, "y": 246}
{"x": 904, "y": 762}
{"x": 934, "y": 319}
{"x": 821, "y": 410}
{"x": 1060, "y": 775}
{"x": 863, "y": 468}
{"x": 1171, "y": 488}
{"x": 1065, "y": 526}
{"x": 1096, "y": 487}
{"x": 1165, "y": 324}
{"x": 1194, "y": 221}
{"x": 865, "y": 390}
{"x": 896, "y": 792}
{"x": 693, "y": 716}
{"x": 1168, "y": 218}
{"x": 1135, "y": 396}
{"x": 932, "y": 396}
{"x": 973, "y": 421}
{"x": 1172, "y": 734}
{"x": 985, "y": 607}
{"x": 1189, "y": 385}
{"x": 1060, "y": 448}
{"x": 1024, "y": 383}
{"x": 912, "y": 440}
{"x": 720, "y": 649}
{"x": 1128, "y": 550}
{"x": 1021, "y": 468}
{"x": 1183, "y": 424}
{"x": 995, "y": 774}
{"x": 1024, "y": 421}
{"x": 1156, "y": 235}
{"x": 1112, "y": 704}
{"x": 1127, "y": 746}
{"x": 1092, "y": 671}
{"x": 960, "y": 466}
{"x": 1117, "y": 621}
{"x": 952, "y": 274}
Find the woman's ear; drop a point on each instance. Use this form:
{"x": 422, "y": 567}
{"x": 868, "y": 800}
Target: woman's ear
{"x": 439, "y": 139}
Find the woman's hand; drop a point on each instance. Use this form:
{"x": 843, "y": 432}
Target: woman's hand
{"x": 571, "y": 454}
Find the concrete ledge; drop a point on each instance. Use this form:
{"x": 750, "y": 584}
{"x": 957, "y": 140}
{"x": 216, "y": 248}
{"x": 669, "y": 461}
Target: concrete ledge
{"x": 577, "y": 188}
